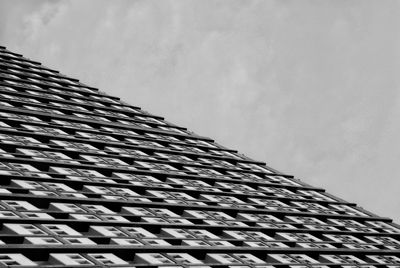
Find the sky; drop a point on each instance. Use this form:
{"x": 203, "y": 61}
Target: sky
{"x": 309, "y": 87}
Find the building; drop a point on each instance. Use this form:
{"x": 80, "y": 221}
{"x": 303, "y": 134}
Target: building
{"x": 87, "y": 180}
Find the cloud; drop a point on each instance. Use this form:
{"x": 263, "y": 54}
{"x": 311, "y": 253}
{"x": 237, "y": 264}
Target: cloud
{"x": 309, "y": 87}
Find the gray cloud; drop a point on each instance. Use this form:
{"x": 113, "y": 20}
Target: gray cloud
{"x": 310, "y": 87}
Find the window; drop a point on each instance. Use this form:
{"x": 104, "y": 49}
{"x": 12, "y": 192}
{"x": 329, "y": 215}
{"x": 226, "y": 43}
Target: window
{"x": 177, "y": 233}
{"x": 8, "y": 214}
{"x": 290, "y": 258}
{"x": 58, "y": 187}
{"x": 172, "y": 195}
{"x": 310, "y": 193}
{"x": 73, "y": 195}
{"x": 259, "y": 235}
{"x": 84, "y": 217}
{"x": 183, "y": 258}
{"x": 225, "y": 199}
{"x": 384, "y": 259}
{"x": 306, "y": 220}
{"x": 37, "y": 215}
{"x": 23, "y": 229}
{"x": 15, "y": 259}
{"x": 68, "y": 259}
{"x": 106, "y": 258}
{"x": 115, "y": 197}
{"x": 265, "y": 244}
{"x": 156, "y": 242}
{"x": 76, "y": 172}
{"x": 98, "y": 209}
{"x": 107, "y": 231}
{"x": 315, "y": 245}
{"x": 180, "y": 221}
{"x": 341, "y": 259}
{"x": 78, "y": 241}
{"x": 383, "y": 240}
{"x": 344, "y": 238}
{"x": 20, "y": 205}
{"x": 248, "y": 258}
{"x": 331, "y": 228}
{"x": 220, "y": 215}
{"x": 104, "y": 161}
{"x": 221, "y": 258}
{"x": 220, "y": 243}
{"x": 297, "y": 237}
{"x": 144, "y": 178}
{"x": 163, "y": 212}
{"x": 348, "y": 210}
{"x": 385, "y": 226}
{"x": 200, "y": 233}
{"x": 195, "y": 243}
{"x": 238, "y": 235}
{"x": 42, "y": 241}
{"x": 27, "y": 184}
{"x": 197, "y": 214}
{"x": 138, "y": 232}
{"x": 113, "y": 218}
{"x": 359, "y": 246}
{"x": 66, "y": 207}
{"x": 61, "y": 229}
{"x": 258, "y": 217}
{"x": 126, "y": 241}
{"x": 137, "y": 211}
{"x": 124, "y": 191}
{"x": 152, "y": 258}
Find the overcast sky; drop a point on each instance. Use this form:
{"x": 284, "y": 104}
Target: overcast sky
{"x": 309, "y": 87}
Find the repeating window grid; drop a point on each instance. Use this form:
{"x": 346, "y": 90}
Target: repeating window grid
{"x": 315, "y": 223}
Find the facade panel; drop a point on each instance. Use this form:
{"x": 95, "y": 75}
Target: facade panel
{"x": 88, "y": 180}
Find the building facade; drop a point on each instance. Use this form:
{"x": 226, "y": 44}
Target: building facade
{"x": 87, "y": 180}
